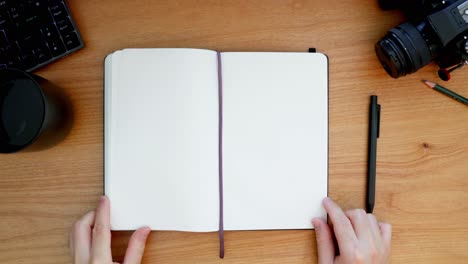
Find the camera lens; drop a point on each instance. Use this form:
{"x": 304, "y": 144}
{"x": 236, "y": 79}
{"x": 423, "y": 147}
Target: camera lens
{"x": 391, "y": 4}
{"x": 403, "y": 50}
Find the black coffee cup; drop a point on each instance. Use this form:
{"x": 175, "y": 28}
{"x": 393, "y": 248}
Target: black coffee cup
{"x": 34, "y": 113}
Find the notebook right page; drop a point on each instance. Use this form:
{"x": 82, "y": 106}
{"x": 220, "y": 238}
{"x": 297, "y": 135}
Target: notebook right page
{"x": 275, "y": 139}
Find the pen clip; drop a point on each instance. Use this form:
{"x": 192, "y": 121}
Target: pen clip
{"x": 378, "y": 120}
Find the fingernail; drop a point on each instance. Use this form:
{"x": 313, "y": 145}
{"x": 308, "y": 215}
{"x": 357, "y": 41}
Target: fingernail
{"x": 326, "y": 200}
{"x": 147, "y": 232}
{"x": 102, "y": 199}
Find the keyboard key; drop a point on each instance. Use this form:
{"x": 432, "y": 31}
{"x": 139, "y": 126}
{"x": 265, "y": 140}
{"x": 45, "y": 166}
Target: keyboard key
{"x": 50, "y": 32}
{"x": 3, "y": 39}
{"x": 10, "y": 52}
{"x": 25, "y": 51}
{"x": 58, "y": 11}
{"x": 39, "y": 8}
{"x": 37, "y": 3}
{"x": 4, "y": 20}
{"x": 46, "y": 18}
{"x": 56, "y": 47}
{"x": 29, "y": 41}
{"x": 37, "y": 44}
{"x": 16, "y": 17}
{"x": 71, "y": 40}
{"x": 42, "y": 54}
{"x": 14, "y": 62}
{"x": 28, "y": 59}
{"x": 65, "y": 26}
{"x": 3, "y": 60}
{"x": 3, "y": 50}
{"x": 31, "y": 18}
{"x": 53, "y": 40}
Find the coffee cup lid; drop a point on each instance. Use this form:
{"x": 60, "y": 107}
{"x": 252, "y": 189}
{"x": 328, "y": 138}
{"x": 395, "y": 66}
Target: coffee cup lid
{"x": 22, "y": 110}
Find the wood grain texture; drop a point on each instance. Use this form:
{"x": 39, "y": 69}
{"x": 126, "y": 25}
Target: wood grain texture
{"x": 422, "y": 184}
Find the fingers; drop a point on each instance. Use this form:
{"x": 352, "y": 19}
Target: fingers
{"x": 344, "y": 231}
{"x": 386, "y": 231}
{"x": 81, "y": 238}
{"x": 374, "y": 227}
{"x": 136, "y": 246}
{"x": 360, "y": 237}
{"x": 361, "y": 223}
{"x": 373, "y": 221}
{"x": 324, "y": 236}
{"x": 101, "y": 242}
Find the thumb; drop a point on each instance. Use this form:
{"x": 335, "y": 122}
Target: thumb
{"x": 136, "y": 246}
{"x": 325, "y": 246}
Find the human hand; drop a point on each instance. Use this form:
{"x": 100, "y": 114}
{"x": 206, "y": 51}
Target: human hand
{"x": 361, "y": 239}
{"x": 90, "y": 240}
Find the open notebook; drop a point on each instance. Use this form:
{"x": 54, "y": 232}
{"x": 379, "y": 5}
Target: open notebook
{"x": 163, "y": 141}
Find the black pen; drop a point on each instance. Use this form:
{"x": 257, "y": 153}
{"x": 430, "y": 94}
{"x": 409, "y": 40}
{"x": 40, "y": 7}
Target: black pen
{"x": 374, "y": 131}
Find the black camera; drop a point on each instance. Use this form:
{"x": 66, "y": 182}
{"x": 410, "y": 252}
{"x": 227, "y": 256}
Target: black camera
{"x": 436, "y": 30}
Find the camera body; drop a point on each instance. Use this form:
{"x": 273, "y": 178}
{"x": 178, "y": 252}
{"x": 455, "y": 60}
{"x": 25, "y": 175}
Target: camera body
{"x": 436, "y": 31}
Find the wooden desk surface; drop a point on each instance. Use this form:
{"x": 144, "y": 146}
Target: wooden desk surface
{"x": 422, "y": 184}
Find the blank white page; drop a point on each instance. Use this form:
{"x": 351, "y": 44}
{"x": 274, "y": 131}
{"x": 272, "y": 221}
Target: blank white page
{"x": 275, "y": 139}
{"x": 161, "y": 139}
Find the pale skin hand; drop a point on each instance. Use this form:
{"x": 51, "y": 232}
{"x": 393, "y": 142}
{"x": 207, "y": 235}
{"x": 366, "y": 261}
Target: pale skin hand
{"x": 90, "y": 240}
{"x": 361, "y": 239}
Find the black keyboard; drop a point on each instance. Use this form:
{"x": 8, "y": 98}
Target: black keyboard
{"x": 33, "y": 33}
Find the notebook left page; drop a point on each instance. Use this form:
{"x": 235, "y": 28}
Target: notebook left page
{"x": 161, "y": 139}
